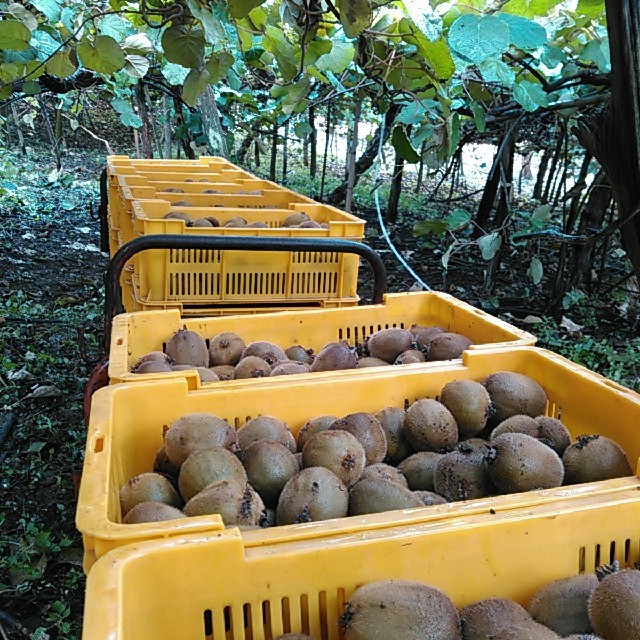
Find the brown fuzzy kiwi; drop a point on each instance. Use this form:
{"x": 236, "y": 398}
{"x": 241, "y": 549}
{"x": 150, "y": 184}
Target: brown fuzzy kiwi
{"x": 224, "y": 371}
{"x": 399, "y": 610}
{"x": 252, "y": 367}
{"x": 269, "y": 519}
{"x": 266, "y": 428}
{"x": 225, "y": 348}
{"x": 310, "y": 224}
{"x": 269, "y": 466}
{"x": 236, "y": 221}
{"x": 410, "y": 357}
{"x": 295, "y": 219}
{"x": 297, "y": 353}
{"x": 172, "y": 190}
{"x": 206, "y": 466}
{"x": 554, "y": 433}
{"x": 391, "y": 420}
{"x": 211, "y": 191}
{"x": 614, "y": 606}
{"x": 424, "y": 336}
{"x": 514, "y": 393}
{"x": 562, "y": 605}
{"x": 153, "y": 366}
{"x": 313, "y": 426}
{"x": 235, "y": 503}
{"x": 368, "y": 431}
{"x": 446, "y": 346}
{"x": 188, "y": 347}
{"x": 338, "y": 451}
{"x": 530, "y": 631}
{"x": 178, "y": 215}
{"x": 593, "y": 458}
{"x": 335, "y": 356}
{"x": 430, "y": 426}
{"x": 289, "y": 369}
{"x": 258, "y": 224}
{"x": 517, "y": 424}
{"x": 147, "y": 487}
{"x": 479, "y": 445}
{"x": 375, "y": 495}
{"x": 153, "y": 356}
{"x": 486, "y": 618}
{"x": 294, "y": 636}
{"x": 429, "y": 498}
{"x": 384, "y": 472}
{"x": 461, "y": 475}
{"x": 151, "y": 511}
{"x": 518, "y": 462}
{"x": 206, "y": 375}
{"x": 195, "y": 431}
{"x": 583, "y": 636}
{"x": 418, "y": 470}
{"x": 201, "y": 222}
{"x": 312, "y": 495}
{"x": 182, "y": 203}
{"x": 470, "y": 404}
{"x": 271, "y": 353}
{"x": 213, "y": 221}
{"x": 388, "y": 344}
{"x": 163, "y": 465}
{"x": 365, "y": 362}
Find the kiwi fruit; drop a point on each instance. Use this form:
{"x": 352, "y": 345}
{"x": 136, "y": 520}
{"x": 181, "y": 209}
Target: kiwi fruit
{"x": 429, "y": 498}
{"x": 295, "y": 219}
{"x": 266, "y": 428}
{"x": 194, "y": 431}
{"x": 368, "y": 431}
{"x": 469, "y": 403}
{"x": 461, "y": 475}
{"x": 514, "y": 393}
{"x": 388, "y": 344}
{"x": 517, "y": 424}
{"x": 269, "y": 352}
{"x": 385, "y": 472}
{"x": 423, "y": 335}
{"x": 310, "y": 224}
{"x": 313, "y": 426}
{"x": 614, "y": 606}
{"x": 152, "y": 511}
{"x": 399, "y": 610}
{"x": 554, "y": 433}
{"x": 375, "y": 495}
{"x": 206, "y": 466}
{"x": 391, "y": 420}
{"x": 430, "y": 426}
{"x": 188, "y": 347}
{"x": 336, "y": 450}
{"x": 213, "y": 221}
{"x": 446, "y": 346}
{"x": 517, "y": 462}
{"x": 562, "y": 605}
{"x": 252, "y": 367}
{"x": 335, "y": 356}
{"x": 411, "y": 356}
{"x": 530, "y": 631}
{"x": 225, "y": 348}
{"x": 593, "y": 457}
{"x": 258, "y": 224}
{"x": 153, "y": 366}
{"x": 206, "y": 375}
{"x": 145, "y": 487}
{"x": 172, "y": 190}
{"x": 153, "y": 356}
{"x": 478, "y": 445}
{"x": 201, "y": 222}
{"x": 178, "y": 215}
{"x": 294, "y": 636}
{"x": 210, "y": 191}
{"x": 224, "y": 371}
{"x": 182, "y": 203}
{"x": 583, "y": 636}
{"x": 367, "y": 361}
{"x": 313, "y": 494}
{"x": 236, "y": 221}
{"x": 269, "y": 466}
{"x": 182, "y": 367}
{"x": 163, "y": 465}
{"x": 418, "y": 470}
{"x": 297, "y": 353}
{"x": 269, "y": 519}
{"x": 289, "y": 369}
{"x": 486, "y": 618}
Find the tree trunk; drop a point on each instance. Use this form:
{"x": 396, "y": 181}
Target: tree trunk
{"x": 313, "y": 144}
{"x": 351, "y": 157}
{"x": 421, "y": 167}
{"x": 152, "y": 120}
{"x": 327, "y": 140}
{"x": 58, "y": 133}
{"x": 285, "y": 152}
{"x": 244, "y": 149}
{"x": 274, "y": 153}
{"x": 50, "y": 133}
{"x": 542, "y": 172}
{"x": 368, "y": 156}
{"x": 396, "y": 189}
{"x": 167, "y": 126}
{"x": 489, "y": 193}
{"x": 216, "y": 140}
{"x": 256, "y": 153}
{"x": 184, "y": 142}
{"x": 557, "y": 152}
{"x": 16, "y": 121}
{"x": 144, "y": 116}
{"x": 305, "y": 150}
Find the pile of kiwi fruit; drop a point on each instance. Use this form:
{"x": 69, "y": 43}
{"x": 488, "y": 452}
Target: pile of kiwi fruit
{"x": 228, "y": 357}
{"x": 582, "y": 607}
{"x": 299, "y": 220}
{"x": 477, "y": 439}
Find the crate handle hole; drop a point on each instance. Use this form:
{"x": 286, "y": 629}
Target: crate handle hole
{"x": 98, "y": 445}
{"x": 208, "y": 623}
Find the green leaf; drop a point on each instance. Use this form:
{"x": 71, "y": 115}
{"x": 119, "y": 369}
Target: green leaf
{"x": 457, "y": 218}
{"x": 114, "y": 26}
{"x": 437, "y": 54}
{"x": 479, "y": 117}
{"x": 34, "y": 69}
{"x": 535, "y": 270}
{"x": 427, "y": 227}
{"x": 403, "y": 147}
{"x": 315, "y": 49}
{"x": 446, "y": 256}
{"x": 294, "y": 95}
{"x": 22, "y": 15}
{"x": 218, "y": 65}
{"x": 530, "y": 8}
{"x": 213, "y": 30}
{"x": 302, "y": 129}
{"x": 14, "y": 35}
{"x": 477, "y": 38}
{"x": 174, "y": 73}
{"x": 411, "y": 114}
{"x": 128, "y": 116}
{"x": 44, "y": 44}
{"x": 495, "y": 70}
{"x": 424, "y": 18}
{"x": 338, "y": 59}
{"x": 136, "y": 66}
{"x": 489, "y": 245}
{"x": 62, "y": 64}
{"x": 240, "y": 8}
{"x": 31, "y": 88}
{"x": 184, "y": 45}
{"x": 355, "y": 16}
{"x": 530, "y": 95}
{"x": 275, "y": 42}
{"x": 524, "y": 34}
{"x": 590, "y": 8}
{"x": 50, "y": 8}
{"x": 137, "y": 43}
{"x": 194, "y": 85}
{"x": 10, "y": 71}
{"x": 103, "y": 56}
{"x": 597, "y": 52}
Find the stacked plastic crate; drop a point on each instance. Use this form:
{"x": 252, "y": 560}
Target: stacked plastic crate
{"x": 195, "y": 578}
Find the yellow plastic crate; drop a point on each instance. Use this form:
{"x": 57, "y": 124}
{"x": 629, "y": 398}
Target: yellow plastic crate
{"x": 134, "y": 335}
{"x": 127, "y": 422}
{"x": 213, "y": 586}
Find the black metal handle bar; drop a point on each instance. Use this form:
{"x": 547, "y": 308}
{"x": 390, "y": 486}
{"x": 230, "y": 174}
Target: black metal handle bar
{"x": 113, "y": 291}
